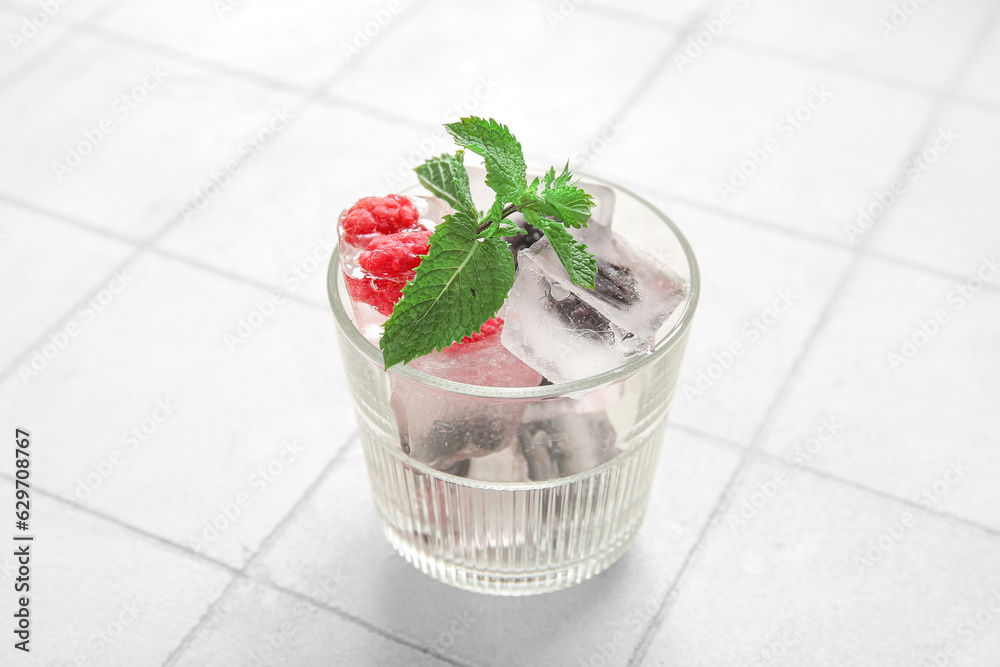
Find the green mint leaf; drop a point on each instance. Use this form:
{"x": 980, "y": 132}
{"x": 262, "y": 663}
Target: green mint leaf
{"x": 568, "y": 203}
{"x": 446, "y": 177}
{"x": 505, "y": 168}
{"x": 580, "y": 264}
{"x": 553, "y": 181}
{"x": 461, "y": 283}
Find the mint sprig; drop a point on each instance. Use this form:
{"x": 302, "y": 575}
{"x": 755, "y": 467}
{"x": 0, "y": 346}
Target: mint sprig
{"x": 464, "y": 279}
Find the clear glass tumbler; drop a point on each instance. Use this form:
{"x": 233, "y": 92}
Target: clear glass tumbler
{"x": 563, "y": 488}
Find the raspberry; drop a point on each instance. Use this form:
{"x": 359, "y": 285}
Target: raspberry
{"x": 389, "y": 262}
{"x": 491, "y": 327}
{"x": 394, "y": 254}
{"x": 378, "y": 215}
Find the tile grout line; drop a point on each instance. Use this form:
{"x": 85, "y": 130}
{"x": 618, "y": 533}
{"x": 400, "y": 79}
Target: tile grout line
{"x": 755, "y": 443}
{"x": 314, "y": 97}
{"x": 188, "y": 638}
{"x": 164, "y": 229}
{"x": 816, "y": 62}
{"x": 235, "y": 572}
{"x": 656, "y": 69}
{"x": 357, "y": 620}
{"x": 172, "y": 222}
{"x": 73, "y": 28}
{"x": 759, "y": 455}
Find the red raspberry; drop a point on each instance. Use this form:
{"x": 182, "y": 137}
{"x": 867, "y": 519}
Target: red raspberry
{"x": 491, "y": 327}
{"x": 389, "y": 262}
{"x": 378, "y": 215}
{"x": 393, "y": 254}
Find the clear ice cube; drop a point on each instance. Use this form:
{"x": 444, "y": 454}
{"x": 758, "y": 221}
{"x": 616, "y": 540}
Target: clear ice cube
{"x": 444, "y": 429}
{"x": 566, "y": 332}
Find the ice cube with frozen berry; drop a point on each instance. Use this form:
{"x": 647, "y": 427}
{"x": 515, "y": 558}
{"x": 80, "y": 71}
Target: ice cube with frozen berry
{"x": 567, "y": 332}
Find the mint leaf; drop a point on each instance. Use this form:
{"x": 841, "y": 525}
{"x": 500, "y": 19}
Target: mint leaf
{"x": 505, "y": 168}
{"x": 447, "y": 178}
{"x": 568, "y": 203}
{"x": 580, "y": 264}
{"x": 461, "y": 283}
{"x": 551, "y": 181}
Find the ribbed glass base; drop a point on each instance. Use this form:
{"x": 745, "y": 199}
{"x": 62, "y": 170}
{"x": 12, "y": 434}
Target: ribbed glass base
{"x": 511, "y": 539}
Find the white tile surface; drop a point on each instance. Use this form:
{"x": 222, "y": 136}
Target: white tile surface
{"x": 786, "y": 589}
{"x": 903, "y": 422}
{"x": 102, "y": 594}
{"x": 277, "y": 221}
{"x": 23, "y": 38}
{"x": 213, "y": 415}
{"x": 763, "y": 292}
{"x": 931, "y": 42}
{"x": 671, "y": 133}
{"x": 272, "y": 40}
{"x": 982, "y": 81}
{"x": 261, "y": 626}
{"x": 61, "y": 263}
{"x": 351, "y": 565}
{"x": 69, "y": 11}
{"x": 946, "y": 217}
{"x": 553, "y": 106}
{"x": 699, "y": 123}
{"x": 677, "y": 12}
{"x": 137, "y": 175}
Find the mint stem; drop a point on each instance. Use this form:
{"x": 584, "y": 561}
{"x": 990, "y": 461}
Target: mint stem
{"x": 507, "y": 212}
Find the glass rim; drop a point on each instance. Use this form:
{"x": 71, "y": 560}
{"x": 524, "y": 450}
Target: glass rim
{"x": 583, "y": 385}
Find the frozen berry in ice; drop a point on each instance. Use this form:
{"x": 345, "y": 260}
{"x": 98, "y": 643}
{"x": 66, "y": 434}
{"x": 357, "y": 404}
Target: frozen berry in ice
{"x": 393, "y": 255}
{"x": 518, "y": 243}
{"x": 378, "y": 215}
{"x": 491, "y": 327}
{"x": 388, "y": 264}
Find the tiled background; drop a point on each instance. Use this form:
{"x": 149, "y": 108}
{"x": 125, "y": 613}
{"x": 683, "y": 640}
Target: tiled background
{"x": 819, "y": 501}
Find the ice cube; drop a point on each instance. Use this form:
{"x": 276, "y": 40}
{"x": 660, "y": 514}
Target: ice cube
{"x": 505, "y": 466}
{"x": 566, "y": 332}
{"x": 603, "y": 212}
{"x": 441, "y": 428}
{"x": 557, "y": 441}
